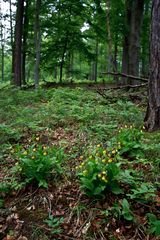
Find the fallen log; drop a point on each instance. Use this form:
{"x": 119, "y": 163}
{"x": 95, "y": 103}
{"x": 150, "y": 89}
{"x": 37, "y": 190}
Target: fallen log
{"x": 125, "y": 75}
{"x": 124, "y": 86}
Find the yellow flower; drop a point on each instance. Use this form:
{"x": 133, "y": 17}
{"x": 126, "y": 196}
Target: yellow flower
{"x": 12, "y": 151}
{"x": 99, "y": 175}
{"x": 113, "y": 151}
{"x": 34, "y": 150}
{"x": 97, "y": 154}
{"x": 82, "y": 163}
{"x": 44, "y": 153}
{"x": 143, "y": 127}
{"x": 90, "y": 157}
{"x": 37, "y": 138}
{"x": 81, "y": 157}
{"x": 33, "y": 157}
{"x": 141, "y": 131}
{"x": 16, "y": 163}
{"x": 125, "y": 126}
{"x": 104, "y": 172}
{"x": 131, "y": 127}
{"x": 103, "y": 160}
{"x": 44, "y": 147}
{"x": 84, "y": 172}
{"x": 104, "y": 152}
{"x": 25, "y": 153}
{"x": 110, "y": 160}
{"x": 98, "y": 146}
{"x": 77, "y": 167}
{"x": 103, "y": 178}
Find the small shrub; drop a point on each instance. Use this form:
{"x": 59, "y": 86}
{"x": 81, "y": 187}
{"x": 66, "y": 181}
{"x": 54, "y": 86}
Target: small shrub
{"x": 99, "y": 172}
{"x": 38, "y": 163}
{"x": 130, "y": 140}
{"x": 54, "y": 223}
{"x": 154, "y": 224}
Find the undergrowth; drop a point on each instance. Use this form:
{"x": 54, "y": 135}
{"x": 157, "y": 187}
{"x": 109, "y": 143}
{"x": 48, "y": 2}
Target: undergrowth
{"x": 73, "y": 138}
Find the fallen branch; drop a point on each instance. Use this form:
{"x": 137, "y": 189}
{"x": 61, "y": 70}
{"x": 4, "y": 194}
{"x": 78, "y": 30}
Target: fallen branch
{"x": 125, "y": 86}
{"x": 101, "y": 91}
{"x": 126, "y": 76}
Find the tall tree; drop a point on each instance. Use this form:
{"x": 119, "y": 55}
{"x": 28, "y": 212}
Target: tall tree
{"x": 37, "y": 43}
{"x": 25, "y": 38}
{"x": 131, "y": 46}
{"x": 152, "y": 119}
{"x": 2, "y": 44}
{"x": 18, "y": 43}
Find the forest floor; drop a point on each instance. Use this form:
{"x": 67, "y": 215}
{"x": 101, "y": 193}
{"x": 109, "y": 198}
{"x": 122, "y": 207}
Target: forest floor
{"x": 75, "y": 122}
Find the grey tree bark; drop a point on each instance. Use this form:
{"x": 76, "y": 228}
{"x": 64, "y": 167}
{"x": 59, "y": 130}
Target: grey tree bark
{"x": 152, "y": 119}
{"x": 18, "y": 43}
{"x": 37, "y": 43}
{"x": 2, "y": 53}
{"x": 131, "y": 45}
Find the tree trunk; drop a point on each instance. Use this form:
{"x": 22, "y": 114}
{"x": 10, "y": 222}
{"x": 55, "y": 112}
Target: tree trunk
{"x": 63, "y": 58}
{"x": 25, "y": 36}
{"x": 12, "y": 39}
{"x": 125, "y": 55}
{"x": 115, "y": 64}
{"x": 18, "y": 43}
{"x": 2, "y": 53}
{"x": 131, "y": 46}
{"x": 37, "y": 43}
{"x": 110, "y": 57}
{"x": 152, "y": 119}
{"x": 134, "y": 39}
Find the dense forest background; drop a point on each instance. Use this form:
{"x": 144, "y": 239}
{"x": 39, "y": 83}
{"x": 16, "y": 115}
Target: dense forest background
{"x": 64, "y": 41}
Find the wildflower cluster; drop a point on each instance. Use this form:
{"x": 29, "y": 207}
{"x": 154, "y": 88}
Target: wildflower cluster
{"x": 130, "y": 139}
{"x": 38, "y": 162}
{"x": 98, "y": 171}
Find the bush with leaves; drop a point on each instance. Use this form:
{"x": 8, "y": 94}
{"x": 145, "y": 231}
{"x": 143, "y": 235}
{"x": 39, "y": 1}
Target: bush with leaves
{"x": 130, "y": 140}
{"x": 38, "y": 163}
{"x": 99, "y": 172}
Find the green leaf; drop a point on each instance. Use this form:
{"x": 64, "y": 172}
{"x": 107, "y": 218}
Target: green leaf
{"x": 126, "y": 212}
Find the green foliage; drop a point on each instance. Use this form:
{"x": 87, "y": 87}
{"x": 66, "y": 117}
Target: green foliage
{"x": 154, "y": 224}
{"x": 8, "y": 134}
{"x": 1, "y": 203}
{"x": 39, "y": 162}
{"x": 54, "y": 223}
{"x": 126, "y": 212}
{"x": 4, "y": 187}
{"x": 130, "y": 140}
{"x": 120, "y": 210}
{"x": 99, "y": 172}
{"x": 145, "y": 192}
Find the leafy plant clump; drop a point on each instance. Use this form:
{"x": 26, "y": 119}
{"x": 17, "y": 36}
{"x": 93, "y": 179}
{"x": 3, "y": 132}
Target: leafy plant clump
{"x": 99, "y": 172}
{"x": 54, "y": 223}
{"x": 130, "y": 139}
{"x": 38, "y": 163}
